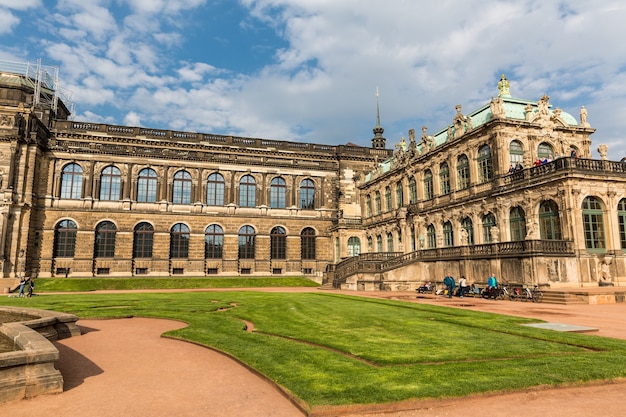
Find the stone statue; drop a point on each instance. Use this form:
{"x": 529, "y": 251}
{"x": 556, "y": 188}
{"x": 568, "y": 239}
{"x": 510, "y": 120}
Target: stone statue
{"x": 528, "y": 112}
{"x": 543, "y": 105}
{"x": 458, "y": 122}
{"x": 464, "y": 236}
{"x": 583, "y": 117}
{"x": 497, "y": 107}
{"x": 603, "y": 150}
{"x": 531, "y": 230}
{"x": 494, "y": 232}
{"x": 605, "y": 270}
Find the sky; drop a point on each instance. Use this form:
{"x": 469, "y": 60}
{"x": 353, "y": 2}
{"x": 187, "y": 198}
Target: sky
{"x": 308, "y": 70}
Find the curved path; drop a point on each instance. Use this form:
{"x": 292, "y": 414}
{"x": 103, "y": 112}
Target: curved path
{"x": 124, "y": 368}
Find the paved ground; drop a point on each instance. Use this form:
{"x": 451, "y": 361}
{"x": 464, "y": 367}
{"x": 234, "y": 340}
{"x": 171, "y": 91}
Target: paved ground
{"x": 124, "y": 368}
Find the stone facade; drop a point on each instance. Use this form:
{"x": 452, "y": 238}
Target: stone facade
{"x": 75, "y": 194}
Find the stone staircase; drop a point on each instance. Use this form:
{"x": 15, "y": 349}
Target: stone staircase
{"x": 561, "y": 297}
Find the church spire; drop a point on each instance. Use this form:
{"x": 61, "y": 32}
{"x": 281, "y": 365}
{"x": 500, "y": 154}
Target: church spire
{"x": 378, "y": 141}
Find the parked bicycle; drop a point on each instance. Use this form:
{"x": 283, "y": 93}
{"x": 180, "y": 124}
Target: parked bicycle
{"x": 526, "y": 294}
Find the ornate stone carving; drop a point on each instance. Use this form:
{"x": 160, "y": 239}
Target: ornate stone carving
{"x": 603, "y": 150}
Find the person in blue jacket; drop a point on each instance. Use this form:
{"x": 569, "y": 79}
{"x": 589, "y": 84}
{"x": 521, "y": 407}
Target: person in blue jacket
{"x": 448, "y": 281}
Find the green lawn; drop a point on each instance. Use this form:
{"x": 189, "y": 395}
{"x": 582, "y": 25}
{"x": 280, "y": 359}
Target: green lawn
{"x": 328, "y": 349}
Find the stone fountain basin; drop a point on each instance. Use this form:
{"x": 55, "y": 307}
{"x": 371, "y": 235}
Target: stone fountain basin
{"x": 28, "y": 370}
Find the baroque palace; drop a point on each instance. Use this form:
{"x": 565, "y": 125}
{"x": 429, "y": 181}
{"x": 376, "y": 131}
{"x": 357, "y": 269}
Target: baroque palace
{"x": 509, "y": 188}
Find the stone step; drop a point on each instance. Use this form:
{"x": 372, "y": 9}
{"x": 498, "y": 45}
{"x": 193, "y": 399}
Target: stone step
{"x": 561, "y": 297}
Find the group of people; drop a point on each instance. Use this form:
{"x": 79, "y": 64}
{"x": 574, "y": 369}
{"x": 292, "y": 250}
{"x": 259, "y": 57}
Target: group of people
{"x": 450, "y": 284}
{"x": 516, "y": 168}
{"x": 28, "y": 285}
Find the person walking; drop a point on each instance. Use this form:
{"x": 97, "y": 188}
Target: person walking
{"x": 448, "y": 281}
{"x": 462, "y": 286}
{"x": 22, "y": 285}
{"x": 492, "y": 285}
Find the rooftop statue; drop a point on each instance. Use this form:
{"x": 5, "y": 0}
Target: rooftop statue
{"x": 503, "y": 86}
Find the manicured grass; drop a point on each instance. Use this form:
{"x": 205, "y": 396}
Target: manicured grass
{"x": 328, "y": 349}
{"x": 92, "y": 284}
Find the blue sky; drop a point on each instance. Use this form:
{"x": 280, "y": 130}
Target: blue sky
{"x": 307, "y": 70}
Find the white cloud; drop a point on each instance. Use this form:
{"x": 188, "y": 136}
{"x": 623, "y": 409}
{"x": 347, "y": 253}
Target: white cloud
{"x": 20, "y": 4}
{"x": 7, "y": 21}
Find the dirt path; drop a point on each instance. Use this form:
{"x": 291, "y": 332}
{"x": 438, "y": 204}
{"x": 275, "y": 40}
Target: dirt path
{"x": 124, "y": 368}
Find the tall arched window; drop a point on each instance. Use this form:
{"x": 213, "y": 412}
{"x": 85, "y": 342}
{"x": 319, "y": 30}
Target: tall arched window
{"x": 307, "y": 194}
{"x": 431, "y": 237}
{"x": 370, "y": 244}
{"x": 412, "y": 190}
{"x": 110, "y": 184}
{"x": 65, "y": 239}
{"x": 379, "y": 207}
{"x": 354, "y": 246}
{"x": 489, "y": 221}
{"x": 517, "y": 220}
{"x": 448, "y": 234}
{"x": 213, "y": 242}
{"x": 468, "y": 226}
{"x": 215, "y": 190}
{"x": 444, "y": 178}
{"x": 593, "y": 224}
{"x": 621, "y": 221}
{"x": 72, "y": 182}
{"x": 307, "y": 243}
{"x": 278, "y": 193}
{"x": 105, "y": 240}
{"x": 516, "y": 153}
{"x": 485, "y": 165}
{"x": 181, "y": 189}
{"x": 147, "y": 186}
{"x": 246, "y": 239}
{"x": 368, "y": 205}
{"x": 247, "y": 191}
{"x": 462, "y": 172}
{"x": 389, "y": 242}
{"x": 278, "y": 243}
{"x": 143, "y": 239}
{"x": 388, "y": 202}
{"x": 428, "y": 185}
{"x": 379, "y": 243}
{"x": 549, "y": 223}
{"x": 399, "y": 194}
{"x": 545, "y": 151}
{"x": 179, "y": 241}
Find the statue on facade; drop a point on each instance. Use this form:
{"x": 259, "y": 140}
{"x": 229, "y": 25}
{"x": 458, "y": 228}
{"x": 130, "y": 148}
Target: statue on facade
{"x": 543, "y": 106}
{"x": 604, "y": 272}
{"x": 603, "y": 150}
{"x": 497, "y": 107}
{"x": 458, "y": 122}
{"x": 503, "y": 86}
{"x": 528, "y": 112}
{"x": 583, "y": 117}
{"x": 494, "y": 232}
{"x": 464, "y": 236}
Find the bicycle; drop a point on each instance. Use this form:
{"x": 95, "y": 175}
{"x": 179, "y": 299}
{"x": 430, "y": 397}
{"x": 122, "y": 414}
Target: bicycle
{"x": 536, "y": 294}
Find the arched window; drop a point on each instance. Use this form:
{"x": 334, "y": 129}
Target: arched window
{"x": 468, "y": 226}
{"x": 378, "y": 203}
{"x": 278, "y": 243}
{"x": 110, "y": 184}
{"x": 593, "y": 224}
{"x": 181, "y": 190}
{"x": 444, "y": 178}
{"x": 412, "y": 191}
{"x": 370, "y": 244}
{"x": 143, "y": 240}
{"x": 549, "y": 223}
{"x": 462, "y": 172}
{"x": 448, "y": 234}
{"x": 368, "y": 205}
{"x": 72, "y": 182}
{"x": 307, "y": 243}
{"x": 389, "y": 242}
{"x": 147, "y": 186}
{"x": 307, "y": 194}
{"x": 247, "y": 237}
{"x": 213, "y": 242}
{"x": 485, "y": 167}
{"x": 179, "y": 241}
{"x": 388, "y": 202}
{"x": 431, "y": 237}
{"x": 428, "y": 185}
{"x": 489, "y": 221}
{"x": 105, "y": 240}
{"x": 247, "y": 191}
{"x": 215, "y": 190}
{"x": 65, "y": 239}
{"x": 516, "y": 153}
{"x": 621, "y": 221}
{"x": 517, "y": 220}
{"x": 545, "y": 151}
{"x": 399, "y": 194}
{"x": 354, "y": 246}
{"x": 278, "y": 193}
